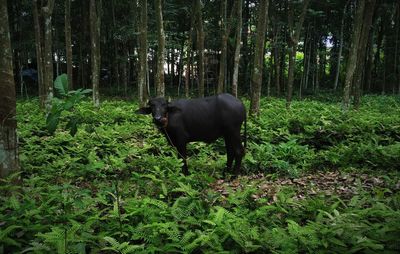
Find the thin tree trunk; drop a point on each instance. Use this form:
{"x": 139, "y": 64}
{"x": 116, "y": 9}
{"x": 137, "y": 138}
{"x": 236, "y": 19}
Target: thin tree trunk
{"x": 396, "y": 52}
{"x": 307, "y": 75}
{"x": 269, "y": 76}
{"x": 9, "y": 162}
{"x": 370, "y": 62}
{"x": 237, "y": 48}
{"x": 224, "y": 40}
{"x": 351, "y": 65}
{"x": 172, "y": 63}
{"x": 200, "y": 45}
{"x": 142, "y": 53}
{"x": 39, "y": 53}
{"x": 48, "y": 53}
{"x": 95, "y": 12}
{"x": 188, "y": 64}
{"x": 245, "y": 47}
{"x": 116, "y": 72}
{"x": 256, "y": 77}
{"x": 277, "y": 63}
{"x": 180, "y": 65}
{"x": 189, "y": 53}
{"x": 124, "y": 65}
{"x": 341, "y": 39}
{"x": 160, "y": 86}
{"x": 68, "y": 42}
{"x": 292, "y": 47}
{"x": 305, "y": 59}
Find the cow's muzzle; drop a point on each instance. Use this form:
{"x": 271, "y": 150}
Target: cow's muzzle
{"x": 161, "y": 121}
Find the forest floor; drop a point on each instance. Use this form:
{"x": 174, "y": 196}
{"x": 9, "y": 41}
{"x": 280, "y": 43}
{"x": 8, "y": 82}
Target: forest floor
{"x": 344, "y": 185}
{"x": 317, "y": 180}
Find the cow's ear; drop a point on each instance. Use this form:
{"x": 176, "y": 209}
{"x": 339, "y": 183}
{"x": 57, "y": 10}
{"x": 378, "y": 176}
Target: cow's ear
{"x": 143, "y": 111}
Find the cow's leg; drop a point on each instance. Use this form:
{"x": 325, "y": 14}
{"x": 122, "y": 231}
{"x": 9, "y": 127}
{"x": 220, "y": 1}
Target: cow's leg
{"x": 238, "y": 151}
{"x": 229, "y": 155}
{"x": 181, "y": 147}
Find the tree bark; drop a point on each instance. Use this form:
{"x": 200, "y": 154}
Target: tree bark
{"x": 9, "y": 162}
{"x": 189, "y": 58}
{"x": 245, "y": 46}
{"x": 224, "y": 40}
{"x": 95, "y": 12}
{"x": 351, "y": 64}
{"x": 294, "y": 35}
{"x": 362, "y": 50}
{"x": 68, "y": 43}
{"x": 48, "y": 53}
{"x": 188, "y": 64}
{"x": 160, "y": 86}
{"x": 396, "y": 53}
{"x": 277, "y": 64}
{"x": 124, "y": 66}
{"x": 39, "y": 53}
{"x": 200, "y": 45}
{"x": 256, "y": 77}
{"x": 237, "y": 48}
{"x": 116, "y": 71}
{"x": 142, "y": 53}
{"x": 341, "y": 40}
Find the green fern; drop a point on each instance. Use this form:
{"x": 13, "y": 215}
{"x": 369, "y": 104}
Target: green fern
{"x": 123, "y": 248}
{"x": 56, "y": 239}
{"x": 5, "y": 238}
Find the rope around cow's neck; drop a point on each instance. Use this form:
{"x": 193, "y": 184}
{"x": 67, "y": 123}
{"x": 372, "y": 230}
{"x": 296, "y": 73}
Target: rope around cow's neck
{"x": 170, "y": 140}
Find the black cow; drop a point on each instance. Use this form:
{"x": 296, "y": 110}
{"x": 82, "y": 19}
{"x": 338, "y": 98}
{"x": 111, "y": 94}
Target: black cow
{"x": 204, "y": 119}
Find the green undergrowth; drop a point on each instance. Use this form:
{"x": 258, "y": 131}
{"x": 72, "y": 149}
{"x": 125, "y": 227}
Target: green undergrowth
{"x": 116, "y": 186}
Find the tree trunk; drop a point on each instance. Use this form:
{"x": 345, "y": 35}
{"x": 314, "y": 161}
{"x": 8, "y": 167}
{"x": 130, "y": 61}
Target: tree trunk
{"x": 351, "y": 64}
{"x": 142, "y": 53}
{"x": 48, "y": 53}
{"x": 370, "y": 62}
{"x": 362, "y": 50}
{"x": 237, "y": 48}
{"x": 180, "y": 65}
{"x": 277, "y": 63}
{"x": 245, "y": 47}
{"x": 305, "y": 60}
{"x": 200, "y": 45}
{"x": 396, "y": 52}
{"x": 124, "y": 65}
{"x": 309, "y": 56}
{"x": 224, "y": 40}
{"x": 68, "y": 42}
{"x": 116, "y": 72}
{"x": 294, "y": 36}
{"x": 341, "y": 40}
{"x": 95, "y": 7}
{"x": 9, "y": 162}
{"x": 160, "y": 86}
{"x": 256, "y": 77}
{"x": 39, "y": 53}
{"x": 188, "y": 63}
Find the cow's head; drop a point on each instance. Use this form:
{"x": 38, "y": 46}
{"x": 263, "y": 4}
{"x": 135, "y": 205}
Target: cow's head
{"x": 159, "y": 108}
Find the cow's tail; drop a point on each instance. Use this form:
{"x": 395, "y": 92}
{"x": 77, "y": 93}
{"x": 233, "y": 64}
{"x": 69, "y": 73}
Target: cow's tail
{"x": 245, "y": 133}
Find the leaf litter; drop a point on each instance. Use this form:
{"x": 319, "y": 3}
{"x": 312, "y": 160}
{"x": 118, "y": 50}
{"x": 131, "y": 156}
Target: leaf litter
{"x": 343, "y": 185}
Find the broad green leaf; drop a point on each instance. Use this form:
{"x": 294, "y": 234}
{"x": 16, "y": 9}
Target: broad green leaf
{"x": 61, "y": 84}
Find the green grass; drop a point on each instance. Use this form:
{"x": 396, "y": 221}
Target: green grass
{"x": 117, "y": 187}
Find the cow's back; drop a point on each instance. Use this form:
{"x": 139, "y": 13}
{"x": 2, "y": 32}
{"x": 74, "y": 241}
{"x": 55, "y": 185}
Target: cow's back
{"x": 206, "y": 119}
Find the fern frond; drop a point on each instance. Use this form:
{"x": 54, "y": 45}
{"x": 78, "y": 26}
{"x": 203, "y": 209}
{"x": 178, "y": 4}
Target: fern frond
{"x": 158, "y": 203}
{"x": 4, "y": 233}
